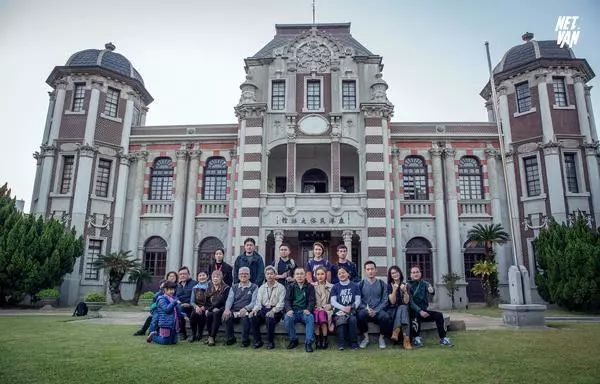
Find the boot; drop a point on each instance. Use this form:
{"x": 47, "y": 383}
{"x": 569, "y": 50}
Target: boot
{"x": 325, "y": 343}
{"x": 396, "y": 334}
{"x": 319, "y": 343}
{"x": 407, "y": 344}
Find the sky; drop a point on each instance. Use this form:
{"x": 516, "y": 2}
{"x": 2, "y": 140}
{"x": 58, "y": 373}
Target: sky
{"x": 190, "y": 54}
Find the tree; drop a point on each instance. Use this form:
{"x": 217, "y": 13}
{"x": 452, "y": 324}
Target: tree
{"x": 568, "y": 261}
{"x": 139, "y": 276}
{"x": 35, "y": 253}
{"x": 487, "y": 236}
{"x": 451, "y": 280}
{"x": 117, "y": 264}
{"x": 486, "y": 270}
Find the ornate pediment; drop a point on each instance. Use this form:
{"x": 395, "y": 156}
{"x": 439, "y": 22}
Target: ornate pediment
{"x": 315, "y": 51}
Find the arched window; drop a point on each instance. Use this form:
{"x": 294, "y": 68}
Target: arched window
{"x": 469, "y": 179}
{"x": 418, "y": 253}
{"x": 155, "y": 256}
{"x": 207, "y": 249}
{"x": 161, "y": 179}
{"x": 314, "y": 181}
{"x": 414, "y": 176}
{"x": 215, "y": 179}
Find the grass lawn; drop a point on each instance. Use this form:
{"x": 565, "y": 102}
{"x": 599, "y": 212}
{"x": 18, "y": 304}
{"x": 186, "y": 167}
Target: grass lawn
{"x": 55, "y": 350}
{"x": 497, "y": 312}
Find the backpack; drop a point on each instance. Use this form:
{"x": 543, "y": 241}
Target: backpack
{"x": 81, "y": 309}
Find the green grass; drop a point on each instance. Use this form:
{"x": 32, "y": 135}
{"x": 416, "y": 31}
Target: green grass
{"x": 52, "y": 350}
{"x": 497, "y": 312}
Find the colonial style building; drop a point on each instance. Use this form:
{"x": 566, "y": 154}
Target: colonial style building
{"x": 314, "y": 155}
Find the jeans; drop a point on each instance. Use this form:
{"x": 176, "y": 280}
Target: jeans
{"x": 347, "y": 331}
{"x": 164, "y": 340}
{"x": 188, "y": 311}
{"x": 438, "y": 317}
{"x": 400, "y": 318}
{"x": 381, "y": 318}
{"x": 260, "y": 318}
{"x": 300, "y": 317}
{"x": 245, "y": 328}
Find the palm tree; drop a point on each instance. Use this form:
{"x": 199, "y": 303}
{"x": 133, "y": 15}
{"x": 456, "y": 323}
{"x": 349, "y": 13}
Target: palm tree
{"x": 139, "y": 276}
{"x": 486, "y": 270}
{"x": 117, "y": 264}
{"x": 487, "y": 236}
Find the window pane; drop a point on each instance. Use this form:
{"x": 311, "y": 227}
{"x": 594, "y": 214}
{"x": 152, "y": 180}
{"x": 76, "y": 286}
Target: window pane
{"x": 523, "y": 97}
{"x": 215, "y": 179}
{"x": 415, "y": 179}
{"x": 67, "y": 174}
{"x": 278, "y": 95}
{"x": 348, "y": 94}
{"x": 470, "y": 179}
{"x": 112, "y": 102}
{"x": 560, "y": 93}
{"x": 532, "y": 176}
{"x": 103, "y": 177}
{"x": 313, "y": 94}
{"x": 78, "y": 97}
{"x": 571, "y": 173}
{"x": 161, "y": 180}
{"x": 94, "y": 250}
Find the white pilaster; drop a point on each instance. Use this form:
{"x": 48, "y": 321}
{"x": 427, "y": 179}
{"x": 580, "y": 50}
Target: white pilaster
{"x": 92, "y": 115}
{"x": 59, "y": 107}
{"x": 230, "y": 218}
{"x": 440, "y": 213}
{"x": 546, "y": 116}
{"x": 588, "y": 102}
{"x": 174, "y": 258}
{"x": 82, "y": 187}
{"x": 190, "y": 209}
{"x": 48, "y": 125}
{"x": 400, "y": 260}
{"x": 138, "y": 194}
{"x": 591, "y": 156}
{"x": 582, "y": 112}
{"x": 388, "y": 184}
{"x": 504, "y": 115}
{"x": 347, "y": 237}
{"x": 556, "y": 193}
{"x": 456, "y": 259}
{"x": 511, "y": 182}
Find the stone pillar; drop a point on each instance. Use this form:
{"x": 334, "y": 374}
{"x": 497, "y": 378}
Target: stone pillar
{"x": 229, "y": 254}
{"x": 504, "y": 115}
{"x": 174, "y": 258}
{"x": 582, "y": 111}
{"x": 335, "y": 152}
{"x": 440, "y": 213}
{"x": 588, "y": 102}
{"x": 138, "y": 194}
{"x": 59, "y": 107}
{"x": 396, "y": 183}
{"x": 492, "y": 171}
{"x": 511, "y": 180}
{"x": 456, "y": 258}
{"x": 48, "y": 125}
{"x": 278, "y": 234}
{"x": 347, "y": 237}
{"x": 291, "y": 154}
{"x": 556, "y": 192}
{"x": 92, "y": 113}
{"x": 82, "y": 187}
{"x": 591, "y": 156}
{"x": 546, "y": 116}
{"x": 190, "y": 210}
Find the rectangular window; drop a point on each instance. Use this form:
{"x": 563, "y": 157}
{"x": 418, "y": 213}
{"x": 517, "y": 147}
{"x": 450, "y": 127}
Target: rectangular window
{"x": 347, "y": 184}
{"x": 571, "y": 172}
{"x": 67, "y": 174}
{"x": 112, "y": 102}
{"x": 280, "y": 184}
{"x": 532, "y": 176}
{"x": 278, "y": 95}
{"x": 94, "y": 250}
{"x": 349, "y": 94}
{"x": 103, "y": 177}
{"x": 78, "y": 97}
{"x": 136, "y": 120}
{"x": 523, "y": 97}
{"x": 313, "y": 95}
{"x": 560, "y": 92}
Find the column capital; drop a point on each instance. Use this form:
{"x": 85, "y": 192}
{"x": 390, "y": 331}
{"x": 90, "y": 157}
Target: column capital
{"x": 551, "y": 147}
{"x": 61, "y": 84}
{"x": 396, "y": 153}
{"x": 96, "y": 84}
{"x": 139, "y": 156}
{"x": 491, "y": 153}
{"x": 181, "y": 154}
{"x": 502, "y": 90}
{"x": 449, "y": 152}
{"x": 279, "y": 234}
{"x": 86, "y": 150}
{"x": 195, "y": 154}
{"x": 52, "y": 95}
{"x": 436, "y": 151}
{"x": 347, "y": 235}
{"x": 591, "y": 149}
{"x": 587, "y": 89}
{"x": 47, "y": 150}
{"x": 579, "y": 79}
{"x": 233, "y": 153}
{"x": 541, "y": 77}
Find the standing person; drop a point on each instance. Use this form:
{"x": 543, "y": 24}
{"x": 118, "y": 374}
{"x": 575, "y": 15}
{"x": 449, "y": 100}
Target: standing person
{"x": 323, "y": 309}
{"x": 317, "y": 261}
{"x": 217, "y": 294}
{"x": 342, "y": 254}
{"x": 198, "y": 302}
{"x": 285, "y": 265}
{"x": 398, "y": 299}
{"x": 241, "y": 300}
{"x": 151, "y": 320}
{"x": 419, "y": 289}
{"x": 374, "y": 298}
{"x": 184, "y": 294}
{"x": 220, "y": 265}
{"x": 168, "y": 308}
{"x": 299, "y": 305}
{"x": 268, "y": 308}
{"x": 345, "y": 298}
{"x": 252, "y": 260}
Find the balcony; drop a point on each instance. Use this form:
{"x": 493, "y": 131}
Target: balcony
{"x": 157, "y": 208}
{"x": 474, "y": 208}
{"x": 417, "y": 208}
{"x": 212, "y": 209}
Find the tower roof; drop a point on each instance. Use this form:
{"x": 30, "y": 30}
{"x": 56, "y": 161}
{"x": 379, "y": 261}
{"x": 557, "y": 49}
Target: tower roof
{"x": 105, "y": 58}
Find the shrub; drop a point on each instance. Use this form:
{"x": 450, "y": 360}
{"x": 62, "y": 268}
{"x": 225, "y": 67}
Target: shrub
{"x": 149, "y": 295}
{"x": 50, "y": 293}
{"x": 451, "y": 280}
{"x": 95, "y": 297}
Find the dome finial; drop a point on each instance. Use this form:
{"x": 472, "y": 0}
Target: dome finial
{"x": 527, "y": 36}
{"x": 110, "y": 46}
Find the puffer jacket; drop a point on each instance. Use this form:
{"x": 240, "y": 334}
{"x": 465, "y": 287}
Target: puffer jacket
{"x": 167, "y": 310}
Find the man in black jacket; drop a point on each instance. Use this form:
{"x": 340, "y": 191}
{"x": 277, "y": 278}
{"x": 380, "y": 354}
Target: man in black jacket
{"x": 251, "y": 259}
{"x": 184, "y": 293}
{"x": 299, "y": 307}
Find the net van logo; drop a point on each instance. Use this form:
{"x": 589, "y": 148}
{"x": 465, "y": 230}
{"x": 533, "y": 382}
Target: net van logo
{"x": 567, "y": 30}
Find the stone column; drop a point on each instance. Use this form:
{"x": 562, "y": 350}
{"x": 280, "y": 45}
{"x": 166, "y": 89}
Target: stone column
{"x": 556, "y": 192}
{"x": 440, "y": 213}
{"x": 335, "y": 152}
{"x": 59, "y": 107}
{"x": 456, "y": 258}
{"x": 48, "y": 125}
{"x": 511, "y": 180}
{"x": 190, "y": 210}
{"x": 588, "y": 102}
{"x": 174, "y": 258}
{"x": 92, "y": 113}
{"x": 230, "y": 209}
{"x": 396, "y": 183}
{"x": 582, "y": 111}
{"x": 291, "y": 153}
{"x": 504, "y": 115}
{"x": 347, "y": 237}
{"x": 546, "y": 116}
{"x": 278, "y": 234}
{"x": 492, "y": 171}
{"x": 82, "y": 187}
{"x": 591, "y": 156}
{"x": 138, "y": 194}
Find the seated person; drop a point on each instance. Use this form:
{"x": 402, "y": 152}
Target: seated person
{"x": 345, "y": 298}
{"x": 299, "y": 305}
{"x": 419, "y": 289}
{"x": 198, "y": 302}
{"x": 323, "y": 313}
{"x": 152, "y": 318}
{"x": 373, "y": 301}
{"x": 168, "y": 309}
{"x": 184, "y": 294}
{"x": 397, "y": 309}
{"x": 268, "y": 308}
{"x": 241, "y": 300}
{"x": 216, "y": 296}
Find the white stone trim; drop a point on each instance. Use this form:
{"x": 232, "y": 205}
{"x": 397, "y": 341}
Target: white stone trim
{"x": 115, "y": 119}
{"x": 518, "y": 114}
{"x": 524, "y": 196}
{"x": 376, "y": 184}
{"x": 373, "y": 131}
{"x": 82, "y": 112}
{"x": 559, "y": 107}
{"x": 254, "y": 131}
{"x": 579, "y": 170}
{"x": 374, "y": 148}
{"x": 111, "y": 179}
{"x": 305, "y": 95}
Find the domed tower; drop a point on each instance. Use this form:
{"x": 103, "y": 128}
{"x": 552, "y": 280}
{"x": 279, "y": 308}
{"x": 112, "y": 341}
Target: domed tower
{"x": 83, "y": 163}
{"x": 550, "y": 136}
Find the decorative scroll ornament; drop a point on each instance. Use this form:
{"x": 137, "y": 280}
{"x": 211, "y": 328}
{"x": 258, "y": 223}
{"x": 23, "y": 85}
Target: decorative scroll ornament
{"x": 104, "y": 224}
{"x": 313, "y": 56}
{"x": 542, "y": 222}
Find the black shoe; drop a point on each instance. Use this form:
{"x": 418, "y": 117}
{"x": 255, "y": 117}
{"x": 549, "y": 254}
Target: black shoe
{"x": 183, "y": 336}
{"x": 192, "y": 339}
{"x": 325, "y": 345}
{"x": 258, "y": 345}
{"x": 230, "y": 341}
{"x": 293, "y": 344}
{"x": 308, "y": 347}
{"x": 139, "y": 332}
{"x": 270, "y": 345}
{"x": 245, "y": 344}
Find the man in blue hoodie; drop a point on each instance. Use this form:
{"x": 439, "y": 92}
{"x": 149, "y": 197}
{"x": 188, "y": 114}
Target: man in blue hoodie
{"x": 251, "y": 259}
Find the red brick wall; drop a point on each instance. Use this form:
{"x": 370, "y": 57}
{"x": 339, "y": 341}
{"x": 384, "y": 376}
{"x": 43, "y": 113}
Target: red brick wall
{"x": 564, "y": 121}
{"x": 526, "y": 126}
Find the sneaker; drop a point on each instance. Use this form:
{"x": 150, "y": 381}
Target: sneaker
{"x": 139, "y": 333}
{"x": 211, "y": 341}
{"x": 270, "y": 345}
{"x": 417, "y": 343}
{"x": 381, "y": 343}
{"x": 446, "y": 342}
{"x": 308, "y": 347}
{"x": 293, "y": 344}
{"x": 364, "y": 343}
{"x": 258, "y": 345}
{"x": 341, "y": 348}
{"x": 354, "y": 347}
{"x": 149, "y": 338}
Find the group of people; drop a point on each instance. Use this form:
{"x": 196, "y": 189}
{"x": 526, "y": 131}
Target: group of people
{"x": 324, "y": 297}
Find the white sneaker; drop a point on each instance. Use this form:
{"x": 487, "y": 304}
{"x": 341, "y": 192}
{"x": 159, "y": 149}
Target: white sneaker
{"x": 381, "y": 343}
{"x": 364, "y": 343}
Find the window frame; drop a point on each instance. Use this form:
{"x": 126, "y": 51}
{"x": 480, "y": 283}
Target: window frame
{"x": 469, "y": 176}
{"x": 308, "y": 79}
{"x": 342, "y": 96}
{"x": 424, "y": 175}
{"x": 344, "y": 181}
{"x": 88, "y": 269}
{"x": 78, "y": 101}
{"x": 527, "y": 180}
{"x": 112, "y": 106}
{"x": 219, "y": 180}
{"x": 61, "y": 180}
{"x": 525, "y": 99}
{"x": 283, "y": 97}
{"x": 108, "y": 182}
{"x": 565, "y": 95}
{"x": 577, "y": 168}
{"x": 160, "y": 192}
